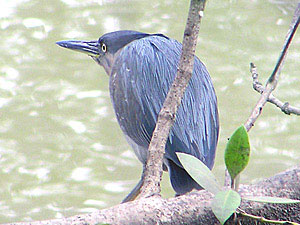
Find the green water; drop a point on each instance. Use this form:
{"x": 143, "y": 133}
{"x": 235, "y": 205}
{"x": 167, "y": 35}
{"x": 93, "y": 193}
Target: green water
{"x": 61, "y": 150}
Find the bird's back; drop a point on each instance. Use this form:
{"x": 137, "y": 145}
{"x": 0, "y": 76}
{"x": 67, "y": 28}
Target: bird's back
{"x": 139, "y": 82}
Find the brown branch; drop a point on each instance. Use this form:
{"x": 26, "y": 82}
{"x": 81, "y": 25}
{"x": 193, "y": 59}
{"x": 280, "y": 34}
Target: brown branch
{"x": 194, "y": 208}
{"x": 166, "y": 117}
{"x": 284, "y": 106}
{"x": 273, "y": 79}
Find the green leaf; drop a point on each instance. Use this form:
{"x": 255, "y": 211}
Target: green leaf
{"x": 267, "y": 199}
{"x": 199, "y": 172}
{"x": 225, "y": 203}
{"x": 237, "y": 152}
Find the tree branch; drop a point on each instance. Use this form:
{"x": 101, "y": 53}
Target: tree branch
{"x": 257, "y": 86}
{"x": 273, "y": 79}
{"x": 166, "y": 117}
{"x": 194, "y": 208}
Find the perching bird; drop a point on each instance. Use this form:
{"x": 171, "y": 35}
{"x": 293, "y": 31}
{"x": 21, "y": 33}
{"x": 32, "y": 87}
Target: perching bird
{"x": 141, "y": 68}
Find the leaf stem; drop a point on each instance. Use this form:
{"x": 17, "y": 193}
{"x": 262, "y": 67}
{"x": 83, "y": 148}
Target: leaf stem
{"x": 262, "y": 219}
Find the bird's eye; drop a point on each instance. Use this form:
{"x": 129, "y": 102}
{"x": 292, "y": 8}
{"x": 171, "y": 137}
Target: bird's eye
{"x": 103, "y": 47}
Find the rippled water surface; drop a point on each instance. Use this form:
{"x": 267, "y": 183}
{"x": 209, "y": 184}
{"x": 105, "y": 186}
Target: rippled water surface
{"x": 61, "y": 150}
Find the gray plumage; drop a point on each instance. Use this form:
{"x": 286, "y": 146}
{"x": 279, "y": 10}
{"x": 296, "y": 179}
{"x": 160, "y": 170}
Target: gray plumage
{"x": 142, "y": 67}
{"x": 139, "y": 82}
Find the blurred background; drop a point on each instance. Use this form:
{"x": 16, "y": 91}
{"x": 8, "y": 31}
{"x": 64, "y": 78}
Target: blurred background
{"x": 61, "y": 150}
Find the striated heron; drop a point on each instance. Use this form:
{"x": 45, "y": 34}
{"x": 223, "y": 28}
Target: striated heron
{"x": 141, "y": 68}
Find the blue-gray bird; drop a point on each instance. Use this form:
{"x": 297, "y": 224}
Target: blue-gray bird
{"x": 141, "y": 68}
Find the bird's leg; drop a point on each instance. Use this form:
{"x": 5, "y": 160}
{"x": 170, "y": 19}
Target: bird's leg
{"x": 136, "y": 190}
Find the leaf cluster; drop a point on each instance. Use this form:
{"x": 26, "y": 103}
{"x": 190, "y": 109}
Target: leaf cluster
{"x": 226, "y": 202}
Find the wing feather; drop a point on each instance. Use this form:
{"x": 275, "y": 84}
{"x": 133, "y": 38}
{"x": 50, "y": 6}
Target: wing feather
{"x": 141, "y": 77}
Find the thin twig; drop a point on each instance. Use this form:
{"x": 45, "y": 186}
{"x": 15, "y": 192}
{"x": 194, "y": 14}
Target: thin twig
{"x": 241, "y": 212}
{"x": 273, "y": 79}
{"x": 293, "y": 27}
{"x": 166, "y": 117}
{"x": 284, "y": 106}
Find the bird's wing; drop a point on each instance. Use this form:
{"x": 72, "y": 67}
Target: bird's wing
{"x": 140, "y": 80}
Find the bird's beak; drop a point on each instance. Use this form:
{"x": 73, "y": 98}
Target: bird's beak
{"x": 87, "y": 47}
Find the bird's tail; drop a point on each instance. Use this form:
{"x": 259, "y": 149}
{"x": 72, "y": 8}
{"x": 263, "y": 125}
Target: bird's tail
{"x": 181, "y": 181}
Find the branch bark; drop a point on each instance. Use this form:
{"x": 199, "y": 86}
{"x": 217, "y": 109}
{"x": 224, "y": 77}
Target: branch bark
{"x": 166, "y": 117}
{"x": 194, "y": 208}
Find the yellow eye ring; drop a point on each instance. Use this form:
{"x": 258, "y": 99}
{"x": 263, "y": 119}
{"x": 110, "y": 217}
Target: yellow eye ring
{"x": 103, "y": 47}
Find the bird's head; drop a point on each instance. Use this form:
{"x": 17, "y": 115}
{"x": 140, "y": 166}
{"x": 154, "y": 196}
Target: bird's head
{"x": 104, "y": 50}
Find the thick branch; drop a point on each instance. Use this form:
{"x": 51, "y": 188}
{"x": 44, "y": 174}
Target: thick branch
{"x": 166, "y": 117}
{"x": 194, "y": 208}
{"x": 284, "y": 106}
{"x": 273, "y": 79}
